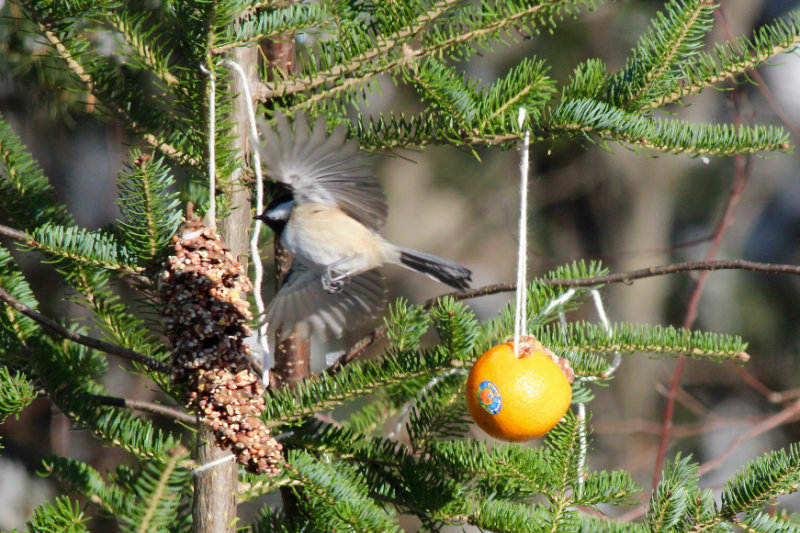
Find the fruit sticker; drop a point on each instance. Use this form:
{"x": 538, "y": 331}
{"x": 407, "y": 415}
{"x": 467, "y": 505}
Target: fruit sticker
{"x": 489, "y": 397}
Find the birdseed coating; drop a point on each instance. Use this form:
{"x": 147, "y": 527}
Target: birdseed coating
{"x": 202, "y": 290}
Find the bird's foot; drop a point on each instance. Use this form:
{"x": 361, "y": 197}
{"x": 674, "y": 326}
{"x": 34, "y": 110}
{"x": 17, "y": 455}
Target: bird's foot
{"x": 334, "y": 281}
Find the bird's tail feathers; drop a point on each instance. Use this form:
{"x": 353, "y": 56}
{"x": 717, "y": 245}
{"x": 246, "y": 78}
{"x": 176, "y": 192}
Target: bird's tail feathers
{"x": 448, "y": 272}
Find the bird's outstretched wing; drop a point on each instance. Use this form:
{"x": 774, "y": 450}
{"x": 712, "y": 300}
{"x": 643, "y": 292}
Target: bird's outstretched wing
{"x": 303, "y": 303}
{"x": 323, "y": 169}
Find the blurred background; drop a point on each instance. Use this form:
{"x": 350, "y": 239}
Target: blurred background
{"x": 629, "y": 210}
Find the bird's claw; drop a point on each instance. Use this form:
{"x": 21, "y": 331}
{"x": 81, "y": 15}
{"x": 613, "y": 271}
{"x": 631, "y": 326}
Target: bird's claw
{"x": 334, "y": 281}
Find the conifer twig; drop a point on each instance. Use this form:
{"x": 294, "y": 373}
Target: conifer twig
{"x": 383, "y": 47}
{"x": 89, "y": 342}
{"x": 87, "y": 80}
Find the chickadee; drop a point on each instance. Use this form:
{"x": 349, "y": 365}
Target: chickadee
{"x": 328, "y": 218}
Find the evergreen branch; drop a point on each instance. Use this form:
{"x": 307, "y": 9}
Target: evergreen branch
{"x": 122, "y": 429}
{"x": 439, "y": 414}
{"x": 152, "y": 58}
{"x": 25, "y": 193}
{"x": 616, "y": 487}
{"x": 630, "y": 276}
{"x": 382, "y": 46}
{"x": 732, "y": 59}
{"x": 84, "y": 247}
{"x": 252, "y": 486}
{"x": 673, "y": 36}
{"x": 16, "y": 329}
{"x": 338, "y": 494}
{"x": 492, "y": 21}
{"x": 602, "y": 524}
{"x": 585, "y": 118}
{"x": 63, "y": 516}
{"x": 495, "y": 514}
{"x": 86, "y": 79}
{"x": 271, "y": 22}
{"x": 524, "y": 85}
{"x": 520, "y": 471}
{"x": 149, "y": 207}
{"x": 672, "y": 497}
{"x": 489, "y": 21}
{"x": 154, "y": 499}
{"x": 16, "y": 393}
{"x": 351, "y": 445}
{"x": 624, "y": 337}
{"x": 762, "y": 480}
{"x": 148, "y": 407}
{"x": 450, "y": 93}
{"x": 679, "y": 46}
{"x": 324, "y": 391}
{"x": 89, "y": 342}
{"x": 767, "y": 523}
{"x": 86, "y": 481}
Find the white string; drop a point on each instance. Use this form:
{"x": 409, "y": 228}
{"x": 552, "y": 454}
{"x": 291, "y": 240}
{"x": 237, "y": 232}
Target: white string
{"x": 212, "y": 148}
{"x": 583, "y": 447}
{"x": 583, "y": 441}
{"x": 601, "y": 314}
{"x": 254, "y": 253}
{"x": 421, "y": 394}
{"x": 557, "y": 302}
{"x": 212, "y": 464}
{"x": 520, "y": 317}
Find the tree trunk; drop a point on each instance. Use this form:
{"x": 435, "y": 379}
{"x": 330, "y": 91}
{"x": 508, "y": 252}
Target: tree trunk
{"x": 214, "y": 506}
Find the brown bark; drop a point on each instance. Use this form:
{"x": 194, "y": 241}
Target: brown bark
{"x": 214, "y": 506}
{"x": 292, "y": 355}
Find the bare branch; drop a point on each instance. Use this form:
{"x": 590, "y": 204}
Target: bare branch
{"x": 15, "y": 234}
{"x": 782, "y": 417}
{"x": 149, "y": 407}
{"x": 621, "y": 277}
{"x": 95, "y": 344}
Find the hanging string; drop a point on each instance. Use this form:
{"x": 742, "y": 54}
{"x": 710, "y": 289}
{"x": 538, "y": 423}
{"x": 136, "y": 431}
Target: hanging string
{"x": 258, "y": 270}
{"x": 211, "y": 464}
{"x": 520, "y": 316}
{"x": 601, "y": 314}
{"x": 212, "y": 147}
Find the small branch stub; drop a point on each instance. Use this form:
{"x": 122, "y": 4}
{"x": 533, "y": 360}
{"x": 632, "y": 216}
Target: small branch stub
{"x": 202, "y": 291}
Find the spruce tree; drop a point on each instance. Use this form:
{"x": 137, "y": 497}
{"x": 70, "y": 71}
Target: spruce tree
{"x": 347, "y": 472}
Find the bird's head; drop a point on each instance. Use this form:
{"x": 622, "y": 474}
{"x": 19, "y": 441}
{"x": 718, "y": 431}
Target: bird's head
{"x": 277, "y": 213}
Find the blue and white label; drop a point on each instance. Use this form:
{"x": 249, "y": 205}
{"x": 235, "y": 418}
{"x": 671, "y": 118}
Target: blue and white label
{"x": 489, "y": 397}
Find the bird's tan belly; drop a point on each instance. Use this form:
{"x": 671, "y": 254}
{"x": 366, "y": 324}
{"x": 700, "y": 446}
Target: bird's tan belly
{"x": 327, "y": 235}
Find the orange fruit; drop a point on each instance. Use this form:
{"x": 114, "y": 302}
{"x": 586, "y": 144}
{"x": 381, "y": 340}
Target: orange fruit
{"x": 519, "y": 398}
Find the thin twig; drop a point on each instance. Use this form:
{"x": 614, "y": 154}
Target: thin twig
{"x": 15, "y": 234}
{"x": 743, "y": 170}
{"x": 149, "y": 407}
{"x": 682, "y": 431}
{"x": 96, "y": 344}
{"x": 621, "y": 277}
{"x": 772, "y": 422}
